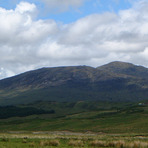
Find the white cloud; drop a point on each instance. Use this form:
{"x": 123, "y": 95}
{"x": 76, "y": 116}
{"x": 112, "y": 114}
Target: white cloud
{"x": 27, "y": 43}
{"x": 144, "y": 54}
{"x": 25, "y": 7}
{"x": 20, "y": 36}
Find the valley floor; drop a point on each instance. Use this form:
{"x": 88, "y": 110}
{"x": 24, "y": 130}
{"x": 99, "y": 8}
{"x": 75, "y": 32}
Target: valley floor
{"x": 73, "y": 125}
{"x": 78, "y": 117}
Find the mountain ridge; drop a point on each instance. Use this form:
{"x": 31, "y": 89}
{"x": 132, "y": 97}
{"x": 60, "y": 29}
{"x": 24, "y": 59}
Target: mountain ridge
{"x": 125, "y": 68}
{"x": 116, "y": 81}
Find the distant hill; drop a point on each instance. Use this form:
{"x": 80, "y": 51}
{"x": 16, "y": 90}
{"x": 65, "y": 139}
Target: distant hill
{"x": 116, "y": 81}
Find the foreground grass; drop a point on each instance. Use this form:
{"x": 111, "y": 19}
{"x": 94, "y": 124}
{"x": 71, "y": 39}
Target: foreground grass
{"x": 72, "y": 140}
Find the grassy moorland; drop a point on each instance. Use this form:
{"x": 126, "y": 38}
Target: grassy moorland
{"x": 99, "y": 117}
{"x": 75, "y": 124}
{"x": 48, "y": 140}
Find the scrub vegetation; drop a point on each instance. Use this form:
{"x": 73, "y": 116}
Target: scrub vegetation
{"x": 73, "y": 140}
{"x": 82, "y": 116}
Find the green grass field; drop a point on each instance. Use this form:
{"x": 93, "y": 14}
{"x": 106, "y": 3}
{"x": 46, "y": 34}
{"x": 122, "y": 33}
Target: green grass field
{"x": 72, "y": 140}
{"x": 77, "y": 124}
{"x": 82, "y": 117}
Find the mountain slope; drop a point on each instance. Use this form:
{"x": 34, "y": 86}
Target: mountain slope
{"x": 57, "y": 76}
{"x": 127, "y": 69}
{"x": 116, "y": 81}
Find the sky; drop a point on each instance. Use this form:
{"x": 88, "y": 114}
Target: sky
{"x": 51, "y": 33}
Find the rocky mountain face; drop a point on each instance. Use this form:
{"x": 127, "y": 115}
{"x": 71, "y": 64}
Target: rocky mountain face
{"x": 116, "y": 81}
{"x": 126, "y": 69}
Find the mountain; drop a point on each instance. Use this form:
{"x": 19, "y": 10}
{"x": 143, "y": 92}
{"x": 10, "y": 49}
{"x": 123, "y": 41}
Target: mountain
{"x": 116, "y": 81}
{"x": 127, "y": 69}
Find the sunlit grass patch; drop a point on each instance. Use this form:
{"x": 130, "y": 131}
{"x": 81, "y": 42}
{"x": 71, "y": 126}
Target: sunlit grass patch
{"x": 97, "y": 143}
{"x": 49, "y": 143}
{"x": 78, "y": 143}
{"x": 32, "y": 144}
{"x": 137, "y": 144}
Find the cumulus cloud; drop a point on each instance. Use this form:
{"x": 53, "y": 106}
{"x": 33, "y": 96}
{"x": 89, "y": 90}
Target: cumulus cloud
{"x": 25, "y": 7}
{"x": 20, "y": 36}
{"x": 28, "y": 43}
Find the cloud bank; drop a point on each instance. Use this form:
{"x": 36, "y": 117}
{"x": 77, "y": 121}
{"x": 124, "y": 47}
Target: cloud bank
{"x": 27, "y": 43}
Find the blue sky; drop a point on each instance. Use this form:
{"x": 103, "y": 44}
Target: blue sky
{"x": 73, "y": 13}
{"x": 49, "y": 33}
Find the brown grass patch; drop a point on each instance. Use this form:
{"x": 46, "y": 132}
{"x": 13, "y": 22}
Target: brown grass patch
{"x": 138, "y": 144}
{"x": 24, "y": 141}
{"x": 97, "y": 143}
{"x": 76, "y": 143}
{"x": 50, "y": 143}
{"x": 32, "y": 144}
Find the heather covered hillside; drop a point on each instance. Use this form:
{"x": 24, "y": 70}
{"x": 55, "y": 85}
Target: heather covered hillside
{"x": 116, "y": 81}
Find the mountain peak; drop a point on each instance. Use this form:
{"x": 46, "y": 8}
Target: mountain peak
{"x": 117, "y": 64}
{"x": 125, "y": 68}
